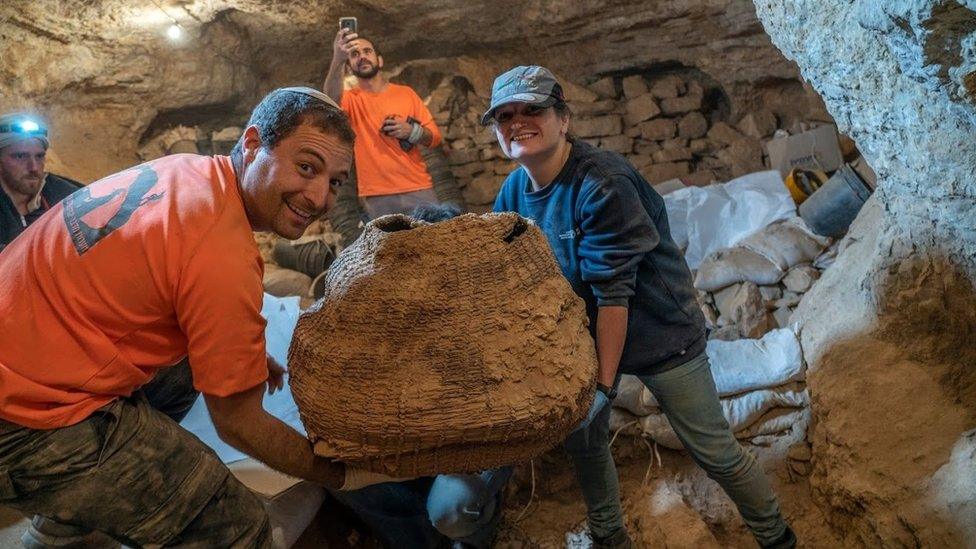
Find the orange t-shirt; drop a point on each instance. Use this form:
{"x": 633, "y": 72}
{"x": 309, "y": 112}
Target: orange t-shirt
{"x": 125, "y": 276}
{"x": 382, "y": 167}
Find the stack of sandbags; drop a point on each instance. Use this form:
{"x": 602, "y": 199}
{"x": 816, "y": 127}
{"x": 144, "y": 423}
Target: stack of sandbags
{"x": 754, "y": 286}
{"x": 452, "y": 347}
{"x": 760, "y": 385}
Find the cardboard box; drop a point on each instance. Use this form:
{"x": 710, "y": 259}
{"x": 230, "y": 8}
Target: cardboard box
{"x": 817, "y": 149}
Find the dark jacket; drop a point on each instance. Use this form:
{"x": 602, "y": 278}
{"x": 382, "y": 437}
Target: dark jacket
{"x": 56, "y": 189}
{"x": 609, "y": 231}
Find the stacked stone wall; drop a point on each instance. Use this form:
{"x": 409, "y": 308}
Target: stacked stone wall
{"x": 669, "y": 125}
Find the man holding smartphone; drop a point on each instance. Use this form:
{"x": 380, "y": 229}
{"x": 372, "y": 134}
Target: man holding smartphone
{"x": 390, "y": 122}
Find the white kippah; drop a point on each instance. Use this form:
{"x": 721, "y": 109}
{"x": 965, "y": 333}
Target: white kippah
{"x": 312, "y": 92}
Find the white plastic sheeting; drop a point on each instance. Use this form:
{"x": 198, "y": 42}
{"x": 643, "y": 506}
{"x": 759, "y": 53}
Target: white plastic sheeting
{"x": 706, "y": 219}
{"x": 282, "y": 315}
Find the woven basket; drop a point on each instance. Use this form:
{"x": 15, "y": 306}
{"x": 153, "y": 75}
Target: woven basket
{"x": 445, "y": 348}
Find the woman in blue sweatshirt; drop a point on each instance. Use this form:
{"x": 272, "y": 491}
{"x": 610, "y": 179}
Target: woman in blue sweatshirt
{"x": 609, "y": 231}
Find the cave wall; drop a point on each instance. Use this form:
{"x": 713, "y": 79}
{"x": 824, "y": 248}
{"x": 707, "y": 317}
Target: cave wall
{"x": 888, "y": 330}
{"x": 106, "y": 77}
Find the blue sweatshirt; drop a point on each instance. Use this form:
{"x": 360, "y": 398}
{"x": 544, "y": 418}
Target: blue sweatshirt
{"x": 609, "y": 232}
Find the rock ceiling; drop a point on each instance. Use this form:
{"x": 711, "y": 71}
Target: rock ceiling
{"x": 108, "y": 75}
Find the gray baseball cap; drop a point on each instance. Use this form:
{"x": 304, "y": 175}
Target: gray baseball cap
{"x": 18, "y": 126}
{"x": 531, "y": 84}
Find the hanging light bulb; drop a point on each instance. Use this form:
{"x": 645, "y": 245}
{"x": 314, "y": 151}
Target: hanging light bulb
{"x": 174, "y": 32}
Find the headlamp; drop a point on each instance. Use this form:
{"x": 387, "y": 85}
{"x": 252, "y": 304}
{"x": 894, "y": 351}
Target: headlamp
{"x": 24, "y": 127}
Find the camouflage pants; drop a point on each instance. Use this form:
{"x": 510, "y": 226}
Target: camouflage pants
{"x": 131, "y": 471}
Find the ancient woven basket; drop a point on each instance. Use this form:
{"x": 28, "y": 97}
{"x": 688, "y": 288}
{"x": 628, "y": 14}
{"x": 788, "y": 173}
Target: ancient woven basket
{"x": 452, "y": 347}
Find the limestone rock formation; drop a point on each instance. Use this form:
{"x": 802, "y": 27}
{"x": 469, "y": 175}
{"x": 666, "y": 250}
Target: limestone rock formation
{"x": 888, "y": 330}
{"x": 107, "y": 77}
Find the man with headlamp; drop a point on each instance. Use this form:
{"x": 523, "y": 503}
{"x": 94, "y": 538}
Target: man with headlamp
{"x": 28, "y": 191}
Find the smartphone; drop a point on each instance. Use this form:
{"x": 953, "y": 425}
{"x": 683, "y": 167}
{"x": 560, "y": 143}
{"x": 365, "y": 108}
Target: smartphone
{"x": 348, "y": 23}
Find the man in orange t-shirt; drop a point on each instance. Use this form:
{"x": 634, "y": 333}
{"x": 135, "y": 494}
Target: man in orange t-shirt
{"x": 390, "y": 122}
{"x": 146, "y": 268}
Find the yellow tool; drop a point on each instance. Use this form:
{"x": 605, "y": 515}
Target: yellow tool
{"x": 802, "y": 183}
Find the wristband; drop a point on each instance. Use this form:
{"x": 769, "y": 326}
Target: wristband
{"x": 416, "y": 133}
{"x": 610, "y": 392}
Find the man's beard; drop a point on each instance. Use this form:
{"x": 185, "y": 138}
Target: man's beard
{"x": 27, "y": 185}
{"x": 366, "y": 75}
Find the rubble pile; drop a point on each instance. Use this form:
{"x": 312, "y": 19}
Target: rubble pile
{"x": 753, "y": 287}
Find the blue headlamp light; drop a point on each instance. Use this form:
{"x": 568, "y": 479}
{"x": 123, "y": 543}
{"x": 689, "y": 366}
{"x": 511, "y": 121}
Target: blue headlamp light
{"x": 24, "y": 127}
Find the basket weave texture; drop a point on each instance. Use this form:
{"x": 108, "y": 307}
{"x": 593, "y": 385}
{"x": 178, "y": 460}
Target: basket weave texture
{"x": 445, "y": 348}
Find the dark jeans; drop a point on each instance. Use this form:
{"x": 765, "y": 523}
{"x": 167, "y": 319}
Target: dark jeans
{"x": 689, "y": 399}
{"x": 130, "y": 471}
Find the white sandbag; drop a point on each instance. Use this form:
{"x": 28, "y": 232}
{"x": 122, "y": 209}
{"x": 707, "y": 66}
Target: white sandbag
{"x": 656, "y": 427}
{"x": 749, "y": 364}
{"x": 743, "y": 365}
{"x": 733, "y": 265}
{"x": 786, "y": 243}
{"x": 706, "y": 219}
{"x": 625, "y": 422}
{"x": 634, "y": 396}
{"x": 741, "y": 412}
{"x": 775, "y": 421}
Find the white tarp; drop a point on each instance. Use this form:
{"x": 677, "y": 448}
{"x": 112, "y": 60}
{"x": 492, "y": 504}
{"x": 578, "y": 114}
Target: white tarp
{"x": 282, "y": 315}
{"x": 706, "y": 219}
{"x": 749, "y": 364}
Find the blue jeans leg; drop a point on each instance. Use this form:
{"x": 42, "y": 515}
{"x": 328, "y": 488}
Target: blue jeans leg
{"x": 467, "y": 508}
{"x": 395, "y": 512}
{"x": 597, "y": 475}
{"x": 689, "y": 399}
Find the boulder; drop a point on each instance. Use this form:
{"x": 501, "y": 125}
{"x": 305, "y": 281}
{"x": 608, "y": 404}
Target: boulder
{"x": 758, "y": 124}
{"x": 618, "y": 143}
{"x": 657, "y": 173}
{"x": 801, "y": 278}
{"x": 723, "y": 134}
{"x": 640, "y": 109}
{"x": 668, "y": 87}
{"x": 604, "y": 88}
{"x": 658, "y": 129}
{"x": 597, "y": 127}
{"x": 634, "y": 86}
{"x": 692, "y": 125}
{"x": 681, "y": 105}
